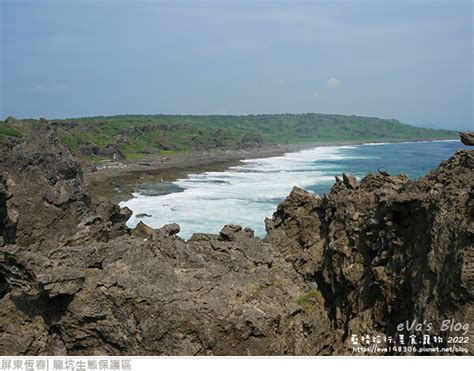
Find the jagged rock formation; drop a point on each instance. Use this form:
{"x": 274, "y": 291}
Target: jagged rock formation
{"x": 467, "y": 138}
{"x": 367, "y": 256}
{"x": 387, "y": 250}
{"x": 44, "y": 197}
{"x": 110, "y": 151}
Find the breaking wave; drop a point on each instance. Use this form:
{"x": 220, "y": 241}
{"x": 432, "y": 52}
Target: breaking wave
{"x": 248, "y": 193}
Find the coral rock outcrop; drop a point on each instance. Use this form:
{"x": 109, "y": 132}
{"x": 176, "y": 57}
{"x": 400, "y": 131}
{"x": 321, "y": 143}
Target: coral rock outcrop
{"x": 362, "y": 259}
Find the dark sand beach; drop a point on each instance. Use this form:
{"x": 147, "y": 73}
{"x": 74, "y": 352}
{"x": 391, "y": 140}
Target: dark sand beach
{"x": 117, "y": 181}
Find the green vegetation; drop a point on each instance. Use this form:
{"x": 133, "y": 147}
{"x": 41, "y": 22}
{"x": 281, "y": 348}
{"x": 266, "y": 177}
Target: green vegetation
{"x": 97, "y": 160}
{"x": 135, "y": 136}
{"x": 281, "y": 283}
{"x": 8, "y": 131}
{"x": 310, "y": 300}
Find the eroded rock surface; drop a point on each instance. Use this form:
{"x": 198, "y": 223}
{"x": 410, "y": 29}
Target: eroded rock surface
{"x": 363, "y": 258}
{"x": 467, "y": 138}
{"x": 389, "y": 251}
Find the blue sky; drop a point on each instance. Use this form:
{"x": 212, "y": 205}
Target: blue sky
{"x": 409, "y": 60}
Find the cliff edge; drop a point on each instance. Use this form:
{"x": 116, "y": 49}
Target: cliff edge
{"x": 361, "y": 260}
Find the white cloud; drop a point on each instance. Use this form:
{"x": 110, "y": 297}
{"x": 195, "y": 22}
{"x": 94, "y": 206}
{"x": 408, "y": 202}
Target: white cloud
{"x": 315, "y": 96}
{"x": 312, "y": 97}
{"x": 334, "y": 83}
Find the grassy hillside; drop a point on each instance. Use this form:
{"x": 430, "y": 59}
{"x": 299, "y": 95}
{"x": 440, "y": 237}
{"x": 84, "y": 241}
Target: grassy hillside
{"x": 133, "y": 136}
{"x": 7, "y": 130}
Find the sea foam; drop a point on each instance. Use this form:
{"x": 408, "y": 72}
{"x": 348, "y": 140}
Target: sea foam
{"x": 245, "y": 194}
{"x": 248, "y": 193}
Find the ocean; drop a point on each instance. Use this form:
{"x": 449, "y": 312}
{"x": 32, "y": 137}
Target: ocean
{"x": 248, "y": 193}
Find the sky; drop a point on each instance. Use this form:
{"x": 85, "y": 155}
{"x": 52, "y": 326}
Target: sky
{"x": 407, "y": 60}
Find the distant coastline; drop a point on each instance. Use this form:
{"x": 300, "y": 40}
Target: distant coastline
{"x": 117, "y": 180}
{"x": 119, "y": 152}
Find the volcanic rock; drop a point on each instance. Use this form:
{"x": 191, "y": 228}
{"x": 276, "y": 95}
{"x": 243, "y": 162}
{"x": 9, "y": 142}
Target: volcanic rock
{"x": 467, "y": 138}
{"x": 74, "y": 280}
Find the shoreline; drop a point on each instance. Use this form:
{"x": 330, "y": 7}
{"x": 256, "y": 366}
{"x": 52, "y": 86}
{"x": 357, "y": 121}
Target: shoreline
{"x": 118, "y": 180}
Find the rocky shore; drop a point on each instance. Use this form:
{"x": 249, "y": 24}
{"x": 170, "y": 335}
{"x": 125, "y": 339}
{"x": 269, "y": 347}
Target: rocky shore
{"x": 362, "y": 260}
{"x": 116, "y": 180}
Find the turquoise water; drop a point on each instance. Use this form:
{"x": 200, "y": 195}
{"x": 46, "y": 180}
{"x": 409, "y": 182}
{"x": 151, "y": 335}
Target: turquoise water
{"x": 246, "y": 194}
{"x": 413, "y": 159}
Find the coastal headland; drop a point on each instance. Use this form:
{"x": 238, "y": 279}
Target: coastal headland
{"x": 332, "y": 271}
{"x": 118, "y": 152}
